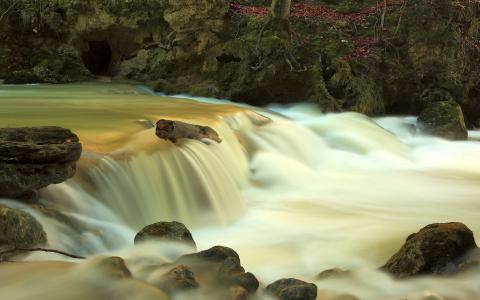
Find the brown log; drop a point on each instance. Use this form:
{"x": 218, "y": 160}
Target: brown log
{"x": 174, "y": 130}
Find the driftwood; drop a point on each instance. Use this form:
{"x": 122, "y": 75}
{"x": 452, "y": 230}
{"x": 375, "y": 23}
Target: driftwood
{"x": 41, "y": 250}
{"x": 174, "y": 130}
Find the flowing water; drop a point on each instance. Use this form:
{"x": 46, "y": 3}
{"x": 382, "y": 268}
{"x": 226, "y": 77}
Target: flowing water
{"x": 292, "y": 190}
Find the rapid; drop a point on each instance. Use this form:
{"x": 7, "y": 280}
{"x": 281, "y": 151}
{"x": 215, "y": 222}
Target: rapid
{"x": 292, "y": 190}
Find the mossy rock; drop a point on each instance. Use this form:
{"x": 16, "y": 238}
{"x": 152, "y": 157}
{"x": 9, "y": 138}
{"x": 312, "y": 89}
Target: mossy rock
{"x": 444, "y": 119}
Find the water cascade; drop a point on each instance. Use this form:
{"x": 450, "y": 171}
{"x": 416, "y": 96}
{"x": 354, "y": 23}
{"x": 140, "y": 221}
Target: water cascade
{"x": 295, "y": 195}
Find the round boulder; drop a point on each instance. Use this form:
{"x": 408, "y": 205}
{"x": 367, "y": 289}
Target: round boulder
{"x": 19, "y": 230}
{"x": 292, "y": 289}
{"x": 167, "y": 231}
{"x": 440, "y": 248}
{"x": 443, "y": 119}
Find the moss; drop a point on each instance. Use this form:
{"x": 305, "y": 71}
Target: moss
{"x": 444, "y": 119}
{"x": 428, "y": 51}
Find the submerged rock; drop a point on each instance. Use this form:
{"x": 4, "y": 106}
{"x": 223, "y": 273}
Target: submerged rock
{"x": 19, "y": 230}
{"x": 237, "y": 293}
{"x": 444, "y": 119}
{"x": 179, "y": 278}
{"x": 175, "y": 130}
{"x": 332, "y": 295}
{"x": 333, "y": 273}
{"x": 220, "y": 267}
{"x": 113, "y": 267}
{"x": 292, "y": 289}
{"x": 32, "y": 158}
{"x": 167, "y": 231}
{"x": 435, "y": 249}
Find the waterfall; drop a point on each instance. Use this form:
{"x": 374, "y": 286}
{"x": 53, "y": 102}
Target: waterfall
{"x": 194, "y": 182}
{"x": 292, "y": 190}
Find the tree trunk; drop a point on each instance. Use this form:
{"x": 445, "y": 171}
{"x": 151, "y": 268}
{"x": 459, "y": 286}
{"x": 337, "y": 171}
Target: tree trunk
{"x": 280, "y": 9}
{"x": 279, "y": 18}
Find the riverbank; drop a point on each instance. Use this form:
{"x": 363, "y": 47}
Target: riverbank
{"x": 339, "y": 58}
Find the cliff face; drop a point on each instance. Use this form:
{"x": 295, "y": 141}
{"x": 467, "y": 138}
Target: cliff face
{"x": 344, "y": 55}
{"x": 72, "y": 40}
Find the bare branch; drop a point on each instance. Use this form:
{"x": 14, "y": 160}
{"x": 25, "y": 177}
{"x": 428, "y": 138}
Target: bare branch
{"x": 41, "y": 250}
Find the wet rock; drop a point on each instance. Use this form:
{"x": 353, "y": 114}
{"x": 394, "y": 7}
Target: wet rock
{"x": 292, "y": 289}
{"x": 167, "y": 231}
{"x": 246, "y": 280}
{"x": 174, "y": 130}
{"x": 19, "y": 230}
{"x": 179, "y": 278}
{"x": 444, "y": 119}
{"x": 218, "y": 254}
{"x": 113, "y": 267}
{"x": 220, "y": 266}
{"x": 441, "y": 248}
{"x": 32, "y": 158}
{"x": 333, "y": 273}
{"x": 238, "y": 293}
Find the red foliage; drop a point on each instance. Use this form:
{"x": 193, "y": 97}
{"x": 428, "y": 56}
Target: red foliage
{"x": 243, "y": 10}
{"x": 363, "y": 47}
{"x": 308, "y": 10}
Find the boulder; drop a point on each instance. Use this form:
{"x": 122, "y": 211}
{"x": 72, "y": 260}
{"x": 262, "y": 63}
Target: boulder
{"x": 175, "y": 130}
{"x": 292, "y": 289}
{"x": 32, "y": 158}
{"x": 19, "y": 230}
{"x": 220, "y": 267}
{"x": 443, "y": 119}
{"x": 166, "y": 231}
{"x": 179, "y": 278}
{"x": 440, "y": 248}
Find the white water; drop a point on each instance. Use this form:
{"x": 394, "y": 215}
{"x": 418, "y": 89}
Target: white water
{"x": 293, "y": 197}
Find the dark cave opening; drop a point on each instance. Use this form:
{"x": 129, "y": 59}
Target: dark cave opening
{"x": 98, "y": 57}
